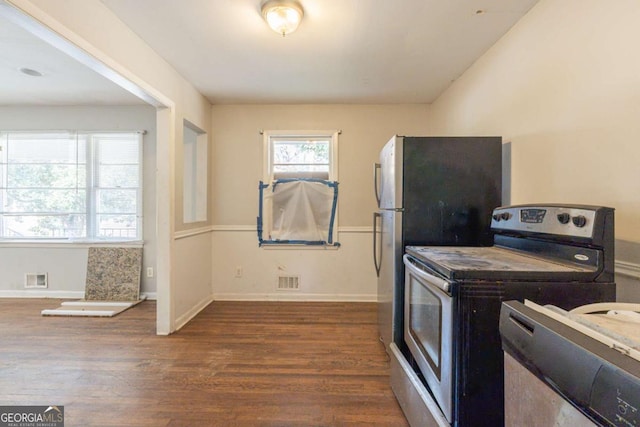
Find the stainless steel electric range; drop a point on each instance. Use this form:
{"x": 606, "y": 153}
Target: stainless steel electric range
{"x": 449, "y": 368}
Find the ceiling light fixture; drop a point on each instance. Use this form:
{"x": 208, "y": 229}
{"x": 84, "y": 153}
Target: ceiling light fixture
{"x": 283, "y": 16}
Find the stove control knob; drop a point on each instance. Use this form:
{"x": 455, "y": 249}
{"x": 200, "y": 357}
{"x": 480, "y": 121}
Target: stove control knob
{"x": 579, "y": 221}
{"x": 497, "y": 217}
{"x": 564, "y": 218}
{"x": 505, "y": 215}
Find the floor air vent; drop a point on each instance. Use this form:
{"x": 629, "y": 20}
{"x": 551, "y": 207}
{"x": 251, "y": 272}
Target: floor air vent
{"x": 288, "y": 283}
{"x": 35, "y": 280}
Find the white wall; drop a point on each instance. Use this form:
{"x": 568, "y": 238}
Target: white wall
{"x": 92, "y": 26}
{"x": 66, "y": 264}
{"x": 566, "y": 93}
{"x": 194, "y": 270}
{"x": 563, "y": 87}
{"x": 66, "y": 270}
{"x": 628, "y": 270}
{"x": 343, "y": 274}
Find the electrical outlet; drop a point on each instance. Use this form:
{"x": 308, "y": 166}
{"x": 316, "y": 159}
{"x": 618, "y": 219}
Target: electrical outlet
{"x": 149, "y": 271}
{"x": 238, "y": 271}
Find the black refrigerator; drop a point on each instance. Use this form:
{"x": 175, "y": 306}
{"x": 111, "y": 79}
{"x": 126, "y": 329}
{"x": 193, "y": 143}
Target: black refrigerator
{"x": 430, "y": 191}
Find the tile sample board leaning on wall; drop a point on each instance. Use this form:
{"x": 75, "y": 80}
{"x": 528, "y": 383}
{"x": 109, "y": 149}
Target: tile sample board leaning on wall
{"x": 113, "y": 284}
{"x": 113, "y": 274}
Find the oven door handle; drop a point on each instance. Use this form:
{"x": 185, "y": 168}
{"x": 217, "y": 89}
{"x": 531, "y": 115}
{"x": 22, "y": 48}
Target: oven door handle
{"x": 412, "y": 265}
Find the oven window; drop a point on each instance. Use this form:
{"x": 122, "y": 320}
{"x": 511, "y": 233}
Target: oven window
{"x": 425, "y": 317}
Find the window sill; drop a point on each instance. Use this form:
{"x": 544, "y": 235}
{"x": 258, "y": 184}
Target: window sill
{"x": 53, "y": 243}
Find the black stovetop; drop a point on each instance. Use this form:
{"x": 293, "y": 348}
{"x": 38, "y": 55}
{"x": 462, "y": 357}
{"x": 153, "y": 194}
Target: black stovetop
{"x": 496, "y": 263}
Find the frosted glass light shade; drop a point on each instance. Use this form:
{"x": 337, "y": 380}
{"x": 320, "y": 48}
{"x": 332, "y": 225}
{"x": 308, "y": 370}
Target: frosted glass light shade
{"x": 283, "y": 17}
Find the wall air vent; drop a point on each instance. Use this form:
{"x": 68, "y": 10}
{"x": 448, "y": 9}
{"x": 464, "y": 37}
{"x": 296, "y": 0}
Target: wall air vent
{"x": 35, "y": 280}
{"x": 288, "y": 283}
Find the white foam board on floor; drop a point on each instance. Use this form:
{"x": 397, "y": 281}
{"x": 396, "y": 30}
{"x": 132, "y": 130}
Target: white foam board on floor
{"x": 91, "y": 308}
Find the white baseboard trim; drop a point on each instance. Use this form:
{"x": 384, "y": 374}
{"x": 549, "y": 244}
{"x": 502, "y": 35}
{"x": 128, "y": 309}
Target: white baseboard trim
{"x": 41, "y": 294}
{"x": 296, "y": 297}
{"x": 628, "y": 269}
{"x": 186, "y": 318}
{"x": 152, "y": 296}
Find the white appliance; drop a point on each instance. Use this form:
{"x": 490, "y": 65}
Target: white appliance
{"x": 569, "y": 368}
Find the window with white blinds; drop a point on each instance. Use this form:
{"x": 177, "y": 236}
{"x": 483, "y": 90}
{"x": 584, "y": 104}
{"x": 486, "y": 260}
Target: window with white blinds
{"x": 71, "y": 185}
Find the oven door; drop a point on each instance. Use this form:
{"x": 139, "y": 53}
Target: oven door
{"x": 428, "y": 319}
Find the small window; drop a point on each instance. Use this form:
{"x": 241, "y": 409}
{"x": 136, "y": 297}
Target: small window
{"x": 71, "y": 185}
{"x": 296, "y": 158}
{"x": 300, "y": 155}
{"x": 299, "y": 189}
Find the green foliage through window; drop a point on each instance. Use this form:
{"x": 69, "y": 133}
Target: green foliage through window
{"x": 70, "y": 185}
{"x": 301, "y": 155}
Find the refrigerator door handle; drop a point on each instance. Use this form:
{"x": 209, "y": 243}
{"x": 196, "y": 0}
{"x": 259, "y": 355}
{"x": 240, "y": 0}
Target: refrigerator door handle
{"x": 376, "y": 180}
{"x": 376, "y": 250}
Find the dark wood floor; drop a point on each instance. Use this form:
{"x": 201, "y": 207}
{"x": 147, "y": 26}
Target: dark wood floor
{"x": 235, "y": 364}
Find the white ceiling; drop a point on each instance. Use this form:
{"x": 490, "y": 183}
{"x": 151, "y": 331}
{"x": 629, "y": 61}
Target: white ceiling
{"x": 64, "y": 81}
{"x": 345, "y": 51}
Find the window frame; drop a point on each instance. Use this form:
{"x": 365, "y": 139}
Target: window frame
{"x": 92, "y": 187}
{"x": 270, "y": 135}
{"x": 268, "y": 176}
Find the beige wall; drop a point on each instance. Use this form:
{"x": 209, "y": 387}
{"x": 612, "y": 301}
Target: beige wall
{"x": 343, "y": 274}
{"x": 238, "y": 162}
{"x": 563, "y": 87}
